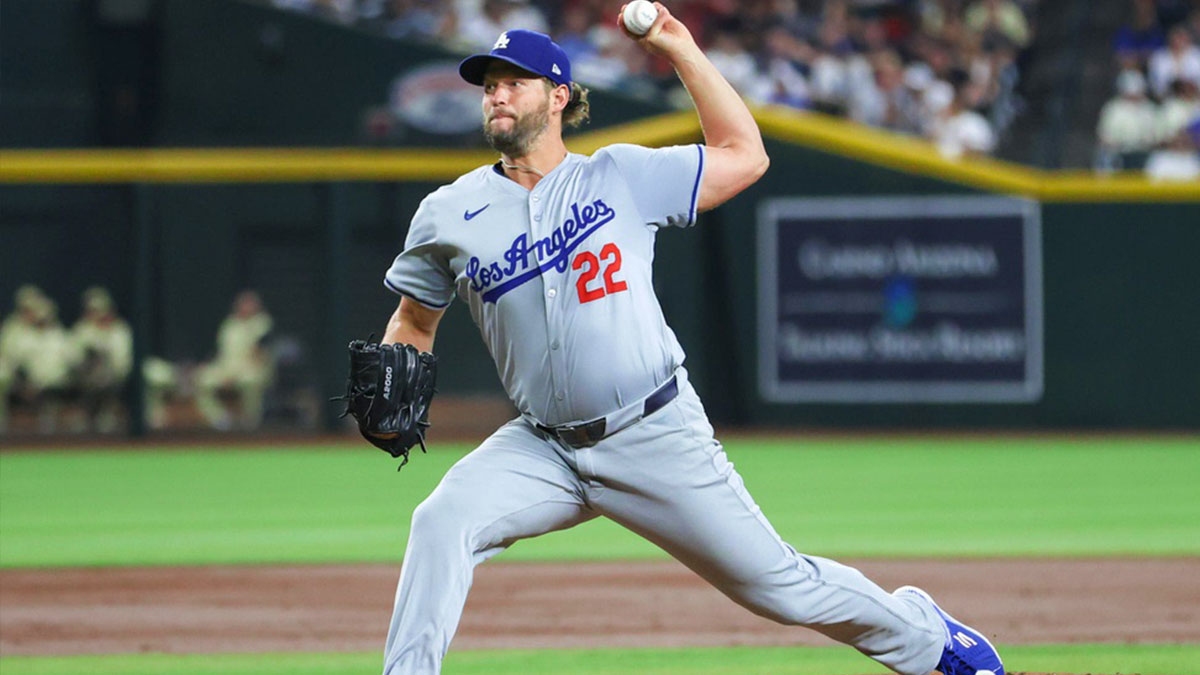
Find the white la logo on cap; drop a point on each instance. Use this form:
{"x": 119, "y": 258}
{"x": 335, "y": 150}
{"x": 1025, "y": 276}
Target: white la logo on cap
{"x": 501, "y": 42}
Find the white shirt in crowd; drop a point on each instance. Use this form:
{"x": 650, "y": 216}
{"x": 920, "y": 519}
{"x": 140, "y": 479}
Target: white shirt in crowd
{"x": 963, "y": 132}
{"x": 1128, "y": 124}
{"x": 478, "y": 31}
{"x": 1175, "y": 113}
{"x": 1170, "y": 164}
{"x": 1180, "y": 59}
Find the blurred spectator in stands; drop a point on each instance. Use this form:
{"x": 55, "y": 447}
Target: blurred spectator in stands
{"x": 829, "y": 77}
{"x": 934, "y": 15}
{"x": 422, "y": 19}
{"x": 39, "y": 357}
{"x": 999, "y": 18}
{"x": 1180, "y": 59}
{"x": 605, "y": 64}
{"x": 834, "y": 31}
{"x": 827, "y": 82}
{"x": 1139, "y": 37}
{"x": 104, "y": 344}
{"x": 572, "y": 32}
{"x": 790, "y": 16}
{"x": 860, "y": 66}
{"x": 976, "y": 64}
{"x": 936, "y": 100}
{"x": 899, "y": 21}
{"x": 1127, "y": 126}
{"x": 960, "y": 131}
{"x": 929, "y": 95}
{"x": 886, "y": 102}
{"x": 1179, "y": 109}
{"x": 953, "y": 29}
{"x": 868, "y": 34}
{"x": 1006, "y": 102}
{"x": 783, "y": 61}
{"x": 341, "y": 11}
{"x": 736, "y": 64}
{"x": 242, "y": 369}
{"x": 938, "y": 54}
{"x": 818, "y": 54}
{"x": 1179, "y": 158}
{"x": 480, "y": 27}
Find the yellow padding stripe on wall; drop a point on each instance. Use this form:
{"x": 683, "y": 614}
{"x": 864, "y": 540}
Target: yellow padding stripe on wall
{"x": 915, "y": 156}
{"x": 819, "y": 132}
{"x": 213, "y": 165}
{"x": 253, "y": 165}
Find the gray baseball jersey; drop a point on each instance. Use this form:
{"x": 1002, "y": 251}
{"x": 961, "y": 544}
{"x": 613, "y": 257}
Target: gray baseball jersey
{"x": 558, "y": 279}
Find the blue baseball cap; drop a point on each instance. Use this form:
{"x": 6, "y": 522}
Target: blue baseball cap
{"x": 527, "y": 49}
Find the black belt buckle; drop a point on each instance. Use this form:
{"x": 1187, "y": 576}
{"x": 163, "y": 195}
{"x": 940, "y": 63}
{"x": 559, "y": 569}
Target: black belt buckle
{"x": 581, "y": 436}
{"x": 590, "y": 433}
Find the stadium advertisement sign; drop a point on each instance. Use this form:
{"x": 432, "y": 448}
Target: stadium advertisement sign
{"x": 932, "y": 299}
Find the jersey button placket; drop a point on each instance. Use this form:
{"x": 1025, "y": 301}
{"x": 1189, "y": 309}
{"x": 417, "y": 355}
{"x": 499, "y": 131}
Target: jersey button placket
{"x": 557, "y": 367}
{"x": 553, "y": 310}
{"x": 535, "y": 207}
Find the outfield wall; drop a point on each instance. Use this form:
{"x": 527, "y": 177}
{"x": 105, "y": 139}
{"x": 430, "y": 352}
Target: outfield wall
{"x": 1084, "y": 294}
{"x": 177, "y": 233}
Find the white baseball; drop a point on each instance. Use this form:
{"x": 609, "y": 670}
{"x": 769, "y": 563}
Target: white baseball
{"x": 639, "y": 16}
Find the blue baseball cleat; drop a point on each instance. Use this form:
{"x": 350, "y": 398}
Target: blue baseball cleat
{"x": 967, "y": 651}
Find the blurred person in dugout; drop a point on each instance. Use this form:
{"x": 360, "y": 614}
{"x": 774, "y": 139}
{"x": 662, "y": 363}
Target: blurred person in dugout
{"x": 37, "y": 357}
{"x": 162, "y": 381}
{"x": 104, "y": 343}
{"x": 242, "y": 369}
{"x": 12, "y": 340}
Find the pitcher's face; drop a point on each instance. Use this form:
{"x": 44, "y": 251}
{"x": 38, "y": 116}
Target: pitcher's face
{"x": 516, "y": 109}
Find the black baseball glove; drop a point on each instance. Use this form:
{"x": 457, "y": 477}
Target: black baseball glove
{"x": 388, "y": 393}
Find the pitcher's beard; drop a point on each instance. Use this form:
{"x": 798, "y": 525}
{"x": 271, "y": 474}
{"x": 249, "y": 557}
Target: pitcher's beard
{"x": 518, "y": 141}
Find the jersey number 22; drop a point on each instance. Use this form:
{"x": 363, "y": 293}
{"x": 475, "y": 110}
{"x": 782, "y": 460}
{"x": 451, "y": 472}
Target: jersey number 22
{"x": 610, "y": 261}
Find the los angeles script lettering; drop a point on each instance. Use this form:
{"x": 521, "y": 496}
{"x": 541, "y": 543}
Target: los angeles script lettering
{"x": 525, "y": 260}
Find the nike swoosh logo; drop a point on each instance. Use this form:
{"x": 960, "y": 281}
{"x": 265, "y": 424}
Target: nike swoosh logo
{"x": 467, "y": 215}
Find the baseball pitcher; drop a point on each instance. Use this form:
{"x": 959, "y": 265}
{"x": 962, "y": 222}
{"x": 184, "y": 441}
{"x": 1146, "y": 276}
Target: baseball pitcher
{"x": 552, "y": 253}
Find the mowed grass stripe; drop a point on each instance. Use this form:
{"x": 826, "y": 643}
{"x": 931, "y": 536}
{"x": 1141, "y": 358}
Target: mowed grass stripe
{"x": 1079, "y": 658}
{"x": 862, "y": 497}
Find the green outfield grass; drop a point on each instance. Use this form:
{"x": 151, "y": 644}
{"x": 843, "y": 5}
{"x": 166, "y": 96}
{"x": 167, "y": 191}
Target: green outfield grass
{"x": 1144, "y": 659}
{"x": 972, "y": 496}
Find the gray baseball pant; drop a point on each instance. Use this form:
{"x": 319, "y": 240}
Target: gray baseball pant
{"x": 665, "y": 478}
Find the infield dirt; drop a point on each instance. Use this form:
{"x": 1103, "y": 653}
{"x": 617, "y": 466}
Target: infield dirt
{"x": 535, "y": 605}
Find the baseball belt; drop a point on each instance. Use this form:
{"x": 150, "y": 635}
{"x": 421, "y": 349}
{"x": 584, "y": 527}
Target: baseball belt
{"x": 587, "y": 434}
